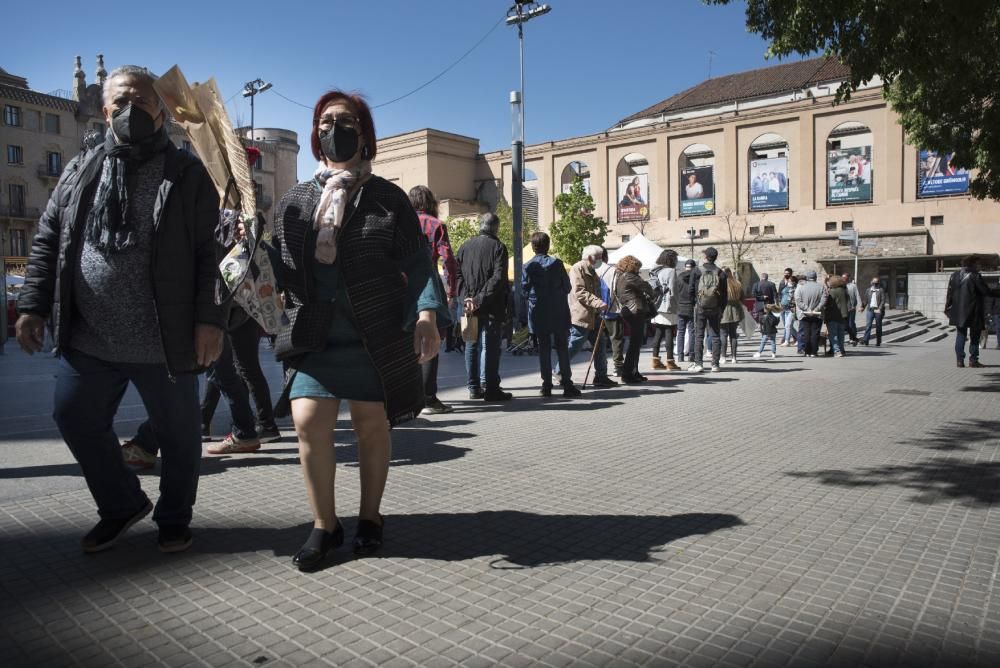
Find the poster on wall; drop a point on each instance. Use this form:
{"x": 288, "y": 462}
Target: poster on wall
{"x": 849, "y": 175}
{"x": 936, "y": 177}
{"x": 697, "y": 191}
{"x": 768, "y": 184}
{"x": 633, "y": 198}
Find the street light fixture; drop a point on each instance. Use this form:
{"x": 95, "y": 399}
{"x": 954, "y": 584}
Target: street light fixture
{"x": 250, "y": 90}
{"x": 519, "y": 13}
{"x": 692, "y": 234}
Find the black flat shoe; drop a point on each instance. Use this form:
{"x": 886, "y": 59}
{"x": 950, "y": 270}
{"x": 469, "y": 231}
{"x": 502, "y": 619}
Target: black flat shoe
{"x": 368, "y": 539}
{"x": 319, "y": 544}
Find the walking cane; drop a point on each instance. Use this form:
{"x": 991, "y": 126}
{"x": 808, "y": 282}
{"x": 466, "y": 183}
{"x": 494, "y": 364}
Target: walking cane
{"x": 597, "y": 346}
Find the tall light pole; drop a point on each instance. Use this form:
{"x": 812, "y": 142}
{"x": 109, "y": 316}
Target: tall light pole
{"x": 692, "y": 234}
{"x": 250, "y": 90}
{"x": 520, "y": 13}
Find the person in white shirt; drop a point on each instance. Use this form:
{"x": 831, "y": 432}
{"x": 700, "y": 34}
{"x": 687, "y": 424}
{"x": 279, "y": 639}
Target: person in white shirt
{"x": 693, "y": 189}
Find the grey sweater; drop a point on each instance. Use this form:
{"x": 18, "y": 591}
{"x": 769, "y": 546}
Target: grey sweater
{"x": 809, "y": 296}
{"x": 115, "y": 318}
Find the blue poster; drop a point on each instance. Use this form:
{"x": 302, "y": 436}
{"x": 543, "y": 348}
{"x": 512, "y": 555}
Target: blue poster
{"x": 936, "y": 177}
{"x": 768, "y": 184}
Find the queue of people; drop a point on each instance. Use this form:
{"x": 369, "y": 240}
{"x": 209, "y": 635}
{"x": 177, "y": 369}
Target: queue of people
{"x": 124, "y": 266}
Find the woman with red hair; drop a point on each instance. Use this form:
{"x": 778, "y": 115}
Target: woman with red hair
{"x": 365, "y": 302}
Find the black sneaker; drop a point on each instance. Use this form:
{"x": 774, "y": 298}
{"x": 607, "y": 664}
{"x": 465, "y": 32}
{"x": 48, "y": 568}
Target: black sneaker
{"x": 268, "y": 434}
{"x": 174, "y": 538}
{"x": 571, "y": 391}
{"x": 106, "y": 532}
{"x": 434, "y": 406}
{"x": 476, "y": 393}
{"x": 497, "y": 395}
{"x": 604, "y": 381}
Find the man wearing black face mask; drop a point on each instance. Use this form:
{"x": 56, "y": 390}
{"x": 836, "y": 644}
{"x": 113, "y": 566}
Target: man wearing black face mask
{"x": 124, "y": 265}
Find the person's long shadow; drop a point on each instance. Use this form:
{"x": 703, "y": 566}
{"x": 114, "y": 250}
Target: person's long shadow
{"x": 412, "y": 444}
{"x": 517, "y": 539}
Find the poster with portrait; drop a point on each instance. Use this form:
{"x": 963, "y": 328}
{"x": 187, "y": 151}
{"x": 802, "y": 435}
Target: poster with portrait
{"x": 633, "y": 198}
{"x": 849, "y": 175}
{"x": 768, "y": 184}
{"x": 936, "y": 177}
{"x": 697, "y": 191}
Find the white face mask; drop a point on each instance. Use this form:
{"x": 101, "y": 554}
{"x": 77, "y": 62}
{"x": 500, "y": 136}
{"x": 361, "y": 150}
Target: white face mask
{"x": 598, "y": 264}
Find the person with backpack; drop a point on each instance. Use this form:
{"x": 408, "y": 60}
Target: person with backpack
{"x": 732, "y": 316}
{"x": 786, "y": 293}
{"x": 685, "y": 312}
{"x": 769, "y": 330}
{"x": 965, "y": 306}
{"x": 638, "y": 305}
{"x": 661, "y": 280}
{"x": 710, "y": 296}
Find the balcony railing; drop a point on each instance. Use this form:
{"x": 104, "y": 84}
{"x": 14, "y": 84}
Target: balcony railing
{"x": 46, "y": 172}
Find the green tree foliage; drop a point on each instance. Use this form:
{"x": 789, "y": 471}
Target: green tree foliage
{"x": 577, "y": 226}
{"x": 939, "y": 61}
{"x": 463, "y": 228}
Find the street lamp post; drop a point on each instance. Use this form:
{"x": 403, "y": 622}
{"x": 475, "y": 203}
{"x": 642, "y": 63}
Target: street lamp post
{"x": 250, "y": 90}
{"x": 692, "y": 234}
{"x": 520, "y": 13}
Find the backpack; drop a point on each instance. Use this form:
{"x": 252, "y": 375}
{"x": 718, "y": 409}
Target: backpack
{"x": 657, "y": 287}
{"x": 708, "y": 289}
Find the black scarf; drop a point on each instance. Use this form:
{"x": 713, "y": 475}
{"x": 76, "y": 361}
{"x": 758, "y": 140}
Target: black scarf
{"x": 108, "y": 226}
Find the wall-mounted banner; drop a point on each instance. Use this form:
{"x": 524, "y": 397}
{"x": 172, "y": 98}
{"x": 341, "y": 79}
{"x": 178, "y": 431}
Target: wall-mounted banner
{"x": 849, "y": 175}
{"x": 697, "y": 191}
{"x": 768, "y": 184}
{"x": 937, "y": 178}
{"x": 633, "y": 198}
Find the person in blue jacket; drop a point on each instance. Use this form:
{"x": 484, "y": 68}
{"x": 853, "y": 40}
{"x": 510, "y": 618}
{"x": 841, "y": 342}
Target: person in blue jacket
{"x": 545, "y": 285}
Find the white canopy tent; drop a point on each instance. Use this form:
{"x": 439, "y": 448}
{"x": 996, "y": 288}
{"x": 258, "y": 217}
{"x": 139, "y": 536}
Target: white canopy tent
{"x": 645, "y": 250}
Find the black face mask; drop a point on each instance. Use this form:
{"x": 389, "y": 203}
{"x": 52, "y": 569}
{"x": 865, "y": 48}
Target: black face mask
{"x": 132, "y": 125}
{"x": 339, "y": 144}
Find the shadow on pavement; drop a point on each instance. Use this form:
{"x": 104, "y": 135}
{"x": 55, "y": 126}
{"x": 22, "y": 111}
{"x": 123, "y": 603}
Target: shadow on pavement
{"x": 959, "y": 436}
{"x": 410, "y": 446}
{"x": 518, "y": 539}
{"x": 934, "y": 481}
{"x": 988, "y": 382}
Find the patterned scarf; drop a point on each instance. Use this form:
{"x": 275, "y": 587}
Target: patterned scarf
{"x": 109, "y": 227}
{"x": 336, "y": 183}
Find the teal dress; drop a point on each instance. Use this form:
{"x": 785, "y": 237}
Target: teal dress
{"x": 344, "y": 370}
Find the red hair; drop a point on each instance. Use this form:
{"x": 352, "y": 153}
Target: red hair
{"x": 360, "y": 107}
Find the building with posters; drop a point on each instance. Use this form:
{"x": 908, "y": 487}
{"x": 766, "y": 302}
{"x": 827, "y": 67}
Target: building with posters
{"x": 772, "y": 154}
{"x": 41, "y": 132}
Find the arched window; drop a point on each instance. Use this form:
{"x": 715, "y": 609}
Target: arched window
{"x": 633, "y": 188}
{"x": 767, "y": 173}
{"x": 573, "y": 171}
{"x": 697, "y": 181}
{"x": 849, "y": 164}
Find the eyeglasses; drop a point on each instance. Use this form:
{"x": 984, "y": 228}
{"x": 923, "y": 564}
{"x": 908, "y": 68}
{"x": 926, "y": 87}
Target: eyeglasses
{"x": 344, "y": 121}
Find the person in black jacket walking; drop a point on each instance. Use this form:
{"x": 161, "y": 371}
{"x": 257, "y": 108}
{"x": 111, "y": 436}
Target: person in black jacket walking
{"x": 965, "y": 306}
{"x": 124, "y": 266}
{"x": 483, "y": 287}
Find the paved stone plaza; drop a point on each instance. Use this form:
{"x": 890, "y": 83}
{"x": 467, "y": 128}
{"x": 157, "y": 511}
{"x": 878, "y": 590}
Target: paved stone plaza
{"x": 795, "y": 512}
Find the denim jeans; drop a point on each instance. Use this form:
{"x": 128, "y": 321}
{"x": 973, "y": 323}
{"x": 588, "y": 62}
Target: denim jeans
{"x": 835, "y": 330}
{"x": 852, "y": 325}
{"x": 484, "y": 354}
{"x": 764, "y": 340}
{"x": 577, "y": 335}
{"x": 224, "y": 376}
{"x": 873, "y": 317}
{"x": 707, "y": 320}
{"x": 962, "y": 334}
{"x": 559, "y": 341}
{"x": 685, "y": 336}
{"x": 786, "y": 321}
{"x": 88, "y": 393}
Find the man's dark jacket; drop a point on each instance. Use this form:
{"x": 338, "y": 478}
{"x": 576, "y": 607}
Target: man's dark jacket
{"x": 966, "y": 300}
{"x": 764, "y": 292}
{"x": 184, "y": 263}
{"x": 482, "y": 275}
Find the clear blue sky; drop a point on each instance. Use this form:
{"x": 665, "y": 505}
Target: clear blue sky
{"x": 588, "y": 63}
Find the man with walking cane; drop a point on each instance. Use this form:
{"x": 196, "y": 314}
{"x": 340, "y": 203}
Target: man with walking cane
{"x": 586, "y": 308}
